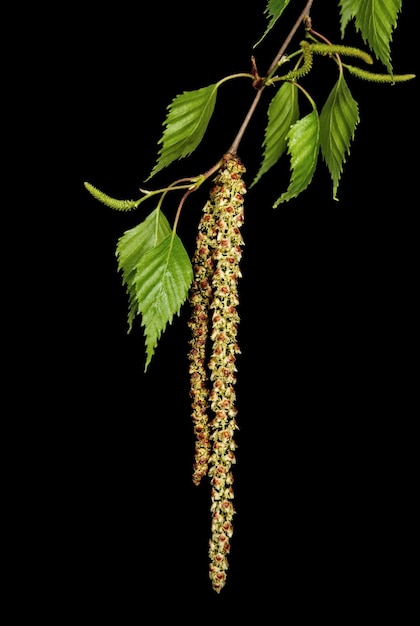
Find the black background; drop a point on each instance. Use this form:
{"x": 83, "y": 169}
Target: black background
{"x": 114, "y": 528}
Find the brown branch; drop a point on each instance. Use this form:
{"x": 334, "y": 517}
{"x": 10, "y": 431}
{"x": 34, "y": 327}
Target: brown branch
{"x": 305, "y": 13}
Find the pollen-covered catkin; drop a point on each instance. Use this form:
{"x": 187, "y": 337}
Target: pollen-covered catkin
{"x": 213, "y": 348}
{"x": 227, "y": 197}
{"x": 200, "y": 298}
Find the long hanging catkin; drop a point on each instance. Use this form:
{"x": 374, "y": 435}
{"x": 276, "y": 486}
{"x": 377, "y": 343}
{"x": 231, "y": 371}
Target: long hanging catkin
{"x": 200, "y": 299}
{"x": 215, "y": 292}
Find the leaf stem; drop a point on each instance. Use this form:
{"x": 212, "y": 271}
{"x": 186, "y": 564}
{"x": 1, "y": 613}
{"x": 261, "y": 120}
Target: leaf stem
{"x": 231, "y": 76}
{"x": 317, "y": 36}
{"x": 175, "y": 186}
{"x": 199, "y": 180}
{"x": 235, "y": 145}
{"x": 311, "y": 100}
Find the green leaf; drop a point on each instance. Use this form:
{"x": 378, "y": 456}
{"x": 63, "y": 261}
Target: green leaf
{"x": 133, "y": 244}
{"x": 186, "y": 122}
{"x": 303, "y": 146}
{"x": 376, "y": 20}
{"x": 163, "y": 277}
{"x": 157, "y": 273}
{"x": 273, "y": 10}
{"x": 347, "y": 11}
{"x": 283, "y": 111}
{"x": 338, "y": 120}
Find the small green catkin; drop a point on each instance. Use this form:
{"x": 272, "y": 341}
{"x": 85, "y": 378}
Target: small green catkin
{"x": 378, "y": 78}
{"x": 113, "y": 203}
{"x": 327, "y": 49}
{"x": 306, "y": 66}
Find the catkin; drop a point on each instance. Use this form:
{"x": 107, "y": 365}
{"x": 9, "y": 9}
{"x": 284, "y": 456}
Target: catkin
{"x": 214, "y": 294}
{"x": 200, "y": 299}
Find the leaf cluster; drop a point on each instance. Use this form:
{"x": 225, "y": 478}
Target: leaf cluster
{"x": 157, "y": 273}
{"x": 154, "y": 264}
{"x": 329, "y": 131}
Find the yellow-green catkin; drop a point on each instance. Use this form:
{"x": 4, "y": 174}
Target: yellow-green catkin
{"x": 227, "y": 197}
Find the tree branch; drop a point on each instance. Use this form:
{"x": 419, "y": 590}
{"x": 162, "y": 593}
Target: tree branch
{"x": 305, "y": 13}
